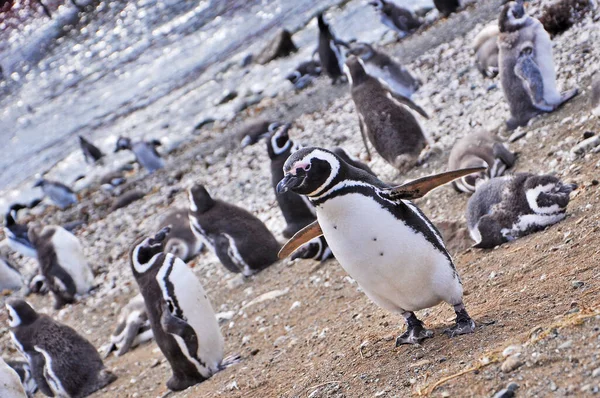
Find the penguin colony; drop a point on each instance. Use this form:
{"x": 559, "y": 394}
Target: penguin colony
{"x": 333, "y": 205}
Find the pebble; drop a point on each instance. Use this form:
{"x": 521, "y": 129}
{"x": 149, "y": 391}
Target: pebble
{"x": 565, "y": 345}
{"x": 596, "y": 372}
{"x": 511, "y": 363}
{"x": 508, "y": 392}
{"x": 510, "y": 350}
{"x": 577, "y": 284}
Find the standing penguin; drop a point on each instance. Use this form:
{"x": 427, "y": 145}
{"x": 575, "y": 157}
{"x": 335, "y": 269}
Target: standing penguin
{"x": 181, "y": 242}
{"x": 183, "y": 321}
{"x": 479, "y": 149}
{"x": 596, "y": 95}
{"x": 240, "y": 240}
{"x": 60, "y": 194}
{"x": 17, "y": 233}
{"x": 133, "y": 327}
{"x": 330, "y": 55}
{"x": 10, "y": 383}
{"x": 383, "y": 118}
{"x": 10, "y": 277}
{"x": 386, "y": 69}
{"x": 446, "y": 7}
{"x": 486, "y": 49}
{"x": 509, "y": 207}
{"x": 402, "y": 264}
{"x": 397, "y": 18}
{"x": 90, "y": 151}
{"x": 62, "y": 263}
{"x": 63, "y": 363}
{"x": 144, "y": 151}
{"x": 526, "y": 66}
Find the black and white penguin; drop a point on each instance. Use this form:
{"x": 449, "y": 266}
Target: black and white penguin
{"x": 254, "y": 131}
{"x": 386, "y": 69}
{"x": 145, "y": 152}
{"x": 402, "y": 264}
{"x": 60, "y": 194}
{"x": 446, "y": 7}
{"x": 390, "y": 126}
{"x": 526, "y": 66}
{"x": 10, "y": 277}
{"x": 509, "y": 207}
{"x": 397, "y": 18}
{"x": 240, "y": 240}
{"x": 133, "y": 328}
{"x": 25, "y": 376}
{"x": 63, "y": 363}
{"x": 183, "y": 321}
{"x": 17, "y": 233}
{"x": 10, "y": 383}
{"x": 596, "y": 94}
{"x": 330, "y": 56}
{"x": 486, "y": 49}
{"x": 480, "y": 148}
{"x": 304, "y": 74}
{"x": 181, "y": 242}
{"x": 62, "y": 263}
{"x": 90, "y": 151}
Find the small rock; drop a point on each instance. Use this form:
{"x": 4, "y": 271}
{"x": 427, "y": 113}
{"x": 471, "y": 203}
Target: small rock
{"x": 228, "y": 95}
{"x": 596, "y": 372}
{"x": 295, "y": 305}
{"x": 511, "y": 363}
{"x": 577, "y": 284}
{"x": 565, "y": 345}
{"x": 510, "y": 350}
{"x": 553, "y": 386}
{"x": 233, "y": 386}
{"x": 586, "y": 145}
{"x": 508, "y": 392}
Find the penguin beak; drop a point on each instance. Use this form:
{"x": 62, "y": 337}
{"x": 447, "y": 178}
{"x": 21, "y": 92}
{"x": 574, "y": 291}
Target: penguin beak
{"x": 160, "y": 236}
{"x": 290, "y": 181}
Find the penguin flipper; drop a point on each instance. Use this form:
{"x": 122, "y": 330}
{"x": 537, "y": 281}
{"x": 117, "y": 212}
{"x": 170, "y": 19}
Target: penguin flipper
{"x": 305, "y": 235}
{"x": 37, "y": 363}
{"x": 405, "y": 101}
{"x": 177, "y": 326}
{"x": 533, "y": 82}
{"x": 131, "y": 331}
{"x": 363, "y": 133}
{"x": 421, "y": 186}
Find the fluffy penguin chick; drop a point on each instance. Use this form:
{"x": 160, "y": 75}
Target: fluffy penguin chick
{"x": 240, "y": 240}
{"x": 91, "y": 153}
{"x": 181, "y": 242}
{"x": 486, "y": 49}
{"x": 527, "y": 67}
{"x": 133, "y": 327}
{"x": 63, "y": 363}
{"x": 10, "y": 383}
{"x": 402, "y": 264}
{"x": 509, "y": 207}
{"x": 60, "y": 194}
{"x": 385, "y": 120}
{"x": 183, "y": 321}
{"x": 400, "y": 19}
{"x": 596, "y": 95}
{"x": 479, "y": 149}
{"x": 144, "y": 151}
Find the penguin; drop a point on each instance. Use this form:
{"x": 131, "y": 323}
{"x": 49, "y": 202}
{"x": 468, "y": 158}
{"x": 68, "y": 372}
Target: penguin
{"x": 254, "y": 131}
{"x": 91, "y": 153}
{"x": 10, "y": 383}
{"x": 60, "y": 194}
{"x": 486, "y": 49}
{"x": 559, "y": 16}
{"x": 330, "y": 55}
{"x": 397, "y": 18}
{"x": 181, "y": 242}
{"x": 63, "y": 363}
{"x": 402, "y": 264}
{"x": 596, "y": 95}
{"x": 240, "y": 240}
{"x": 386, "y": 69}
{"x": 526, "y": 66}
{"x": 446, "y": 7}
{"x": 144, "y": 151}
{"x": 10, "y": 277}
{"x": 133, "y": 328}
{"x": 509, "y": 207}
{"x": 304, "y": 74}
{"x": 17, "y": 233}
{"x": 182, "y": 318}
{"x": 62, "y": 263}
{"x": 25, "y": 376}
{"x": 479, "y": 149}
{"x": 392, "y": 129}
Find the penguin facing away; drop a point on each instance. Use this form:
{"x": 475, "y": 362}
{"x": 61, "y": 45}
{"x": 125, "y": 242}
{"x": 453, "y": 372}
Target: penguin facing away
{"x": 396, "y": 18}
{"x": 181, "y": 242}
{"x": 10, "y": 277}
{"x": 527, "y": 67}
{"x": 60, "y": 194}
{"x": 25, "y": 376}
{"x": 17, "y": 233}
{"x": 403, "y": 265}
{"x": 479, "y": 149}
{"x": 330, "y": 56}
{"x": 144, "y": 151}
{"x": 62, "y": 263}
{"x": 383, "y": 119}
{"x": 10, "y": 383}
{"x": 446, "y": 7}
{"x": 62, "y": 362}
{"x": 183, "y": 321}
{"x": 596, "y": 95}
{"x": 133, "y": 327}
{"x": 486, "y": 49}
{"x": 239, "y": 239}
{"x": 91, "y": 153}
{"x": 509, "y": 207}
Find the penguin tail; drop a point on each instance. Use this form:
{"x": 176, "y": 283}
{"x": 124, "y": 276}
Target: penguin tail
{"x": 230, "y": 360}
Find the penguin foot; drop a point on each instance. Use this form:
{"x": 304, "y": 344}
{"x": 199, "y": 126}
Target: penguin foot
{"x": 464, "y": 323}
{"x": 415, "y": 332}
{"x": 177, "y": 384}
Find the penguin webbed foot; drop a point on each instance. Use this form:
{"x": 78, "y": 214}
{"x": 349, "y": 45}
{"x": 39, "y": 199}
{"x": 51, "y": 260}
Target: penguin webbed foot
{"x": 415, "y": 332}
{"x": 464, "y": 323}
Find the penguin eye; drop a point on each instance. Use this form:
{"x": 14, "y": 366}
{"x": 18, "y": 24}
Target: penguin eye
{"x": 307, "y": 167}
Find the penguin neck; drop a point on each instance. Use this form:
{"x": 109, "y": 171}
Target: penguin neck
{"x": 348, "y": 178}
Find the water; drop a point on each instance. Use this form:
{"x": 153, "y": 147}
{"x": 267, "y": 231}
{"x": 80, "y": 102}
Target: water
{"x": 146, "y": 68}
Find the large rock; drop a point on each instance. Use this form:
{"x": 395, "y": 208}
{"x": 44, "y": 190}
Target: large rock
{"x": 281, "y": 46}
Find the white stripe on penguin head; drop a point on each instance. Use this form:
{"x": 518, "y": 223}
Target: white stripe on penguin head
{"x": 330, "y": 158}
{"x": 277, "y": 149}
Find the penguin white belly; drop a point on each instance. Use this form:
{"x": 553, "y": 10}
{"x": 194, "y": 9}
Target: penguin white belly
{"x": 70, "y": 257}
{"x": 545, "y": 61}
{"x": 192, "y": 300}
{"x": 396, "y": 267}
{"x": 10, "y": 384}
{"x": 50, "y": 375}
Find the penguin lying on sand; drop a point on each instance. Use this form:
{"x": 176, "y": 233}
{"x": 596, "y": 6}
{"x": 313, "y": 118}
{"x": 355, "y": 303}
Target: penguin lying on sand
{"x": 304, "y": 74}
{"x": 399, "y": 19}
{"x": 10, "y": 383}
{"x": 486, "y": 49}
{"x": 133, "y": 328}
{"x": 509, "y": 207}
{"x": 60, "y": 194}
{"x": 63, "y": 363}
{"x": 330, "y": 56}
{"x": 144, "y": 151}
{"x": 402, "y": 264}
{"x": 181, "y": 242}
{"x": 91, "y": 153}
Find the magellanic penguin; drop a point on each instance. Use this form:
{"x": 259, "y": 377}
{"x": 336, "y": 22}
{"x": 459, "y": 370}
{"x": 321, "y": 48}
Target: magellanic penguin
{"x": 240, "y": 240}
{"x": 446, "y": 7}
{"x": 304, "y": 74}
{"x": 480, "y": 148}
{"x": 133, "y": 327}
{"x": 90, "y": 151}
{"x": 386, "y": 69}
{"x": 26, "y": 377}
{"x": 183, "y": 321}
{"x": 63, "y": 363}
{"x": 383, "y": 118}
{"x": 60, "y": 194}
{"x": 17, "y": 233}
{"x": 10, "y": 277}
{"x": 526, "y": 66}
{"x": 509, "y": 207}
{"x": 402, "y": 264}
{"x": 330, "y": 56}
{"x": 144, "y": 151}
{"x": 62, "y": 263}
{"x": 254, "y": 131}
{"x": 486, "y": 49}
{"x": 596, "y": 95}
{"x": 181, "y": 242}
{"x": 10, "y": 383}
{"x": 397, "y": 18}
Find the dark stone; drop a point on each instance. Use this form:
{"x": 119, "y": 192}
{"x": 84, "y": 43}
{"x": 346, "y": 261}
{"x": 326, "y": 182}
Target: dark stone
{"x": 588, "y": 134}
{"x": 282, "y": 45}
{"x": 204, "y": 122}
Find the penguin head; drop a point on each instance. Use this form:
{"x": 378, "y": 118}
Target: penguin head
{"x": 355, "y": 70}
{"x": 279, "y": 141}
{"x": 310, "y": 171}
{"x": 39, "y": 183}
{"x": 363, "y": 50}
{"x": 378, "y": 4}
{"x": 123, "y": 143}
{"x": 146, "y": 248}
{"x": 20, "y": 313}
{"x": 546, "y": 194}
{"x": 513, "y": 17}
{"x": 323, "y": 26}
{"x": 200, "y": 200}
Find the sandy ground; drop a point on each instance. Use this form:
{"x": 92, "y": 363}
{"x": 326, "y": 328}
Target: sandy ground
{"x": 535, "y": 299}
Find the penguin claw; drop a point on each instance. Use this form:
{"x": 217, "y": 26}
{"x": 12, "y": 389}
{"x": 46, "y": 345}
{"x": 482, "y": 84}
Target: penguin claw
{"x": 414, "y": 335}
{"x": 464, "y": 326}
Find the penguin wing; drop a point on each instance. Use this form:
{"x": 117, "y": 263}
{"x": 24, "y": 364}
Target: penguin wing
{"x": 533, "y": 81}
{"x": 177, "y": 326}
{"x": 364, "y": 130}
{"x": 37, "y": 363}
{"x": 305, "y": 235}
{"x": 421, "y": 186}
{"x": 405, "y": 101}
